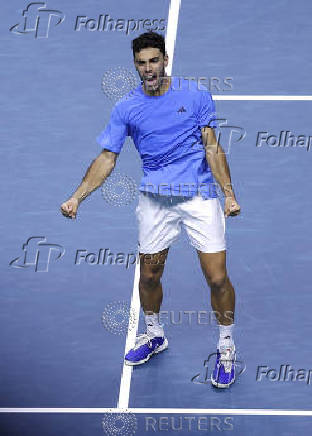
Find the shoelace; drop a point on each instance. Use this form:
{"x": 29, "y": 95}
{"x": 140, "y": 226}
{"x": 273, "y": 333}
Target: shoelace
{"x": 227, "y": 356}
{"x": 142, "y": 340}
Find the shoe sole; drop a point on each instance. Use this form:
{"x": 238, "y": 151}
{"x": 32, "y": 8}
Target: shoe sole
{"x": 163, "y": 347}
{"x": 221, "y": 385}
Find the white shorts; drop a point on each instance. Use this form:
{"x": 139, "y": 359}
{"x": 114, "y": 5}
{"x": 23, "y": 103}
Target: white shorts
{"x": 161, "y": 218}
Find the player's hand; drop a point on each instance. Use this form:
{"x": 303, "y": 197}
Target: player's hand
{"x": 69, "y": 208}
{"x": 231, "y": 207}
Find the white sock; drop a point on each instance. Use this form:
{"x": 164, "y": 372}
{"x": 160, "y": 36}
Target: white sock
{"x": 226, "y": 335}
{"x": 153, "y": 328}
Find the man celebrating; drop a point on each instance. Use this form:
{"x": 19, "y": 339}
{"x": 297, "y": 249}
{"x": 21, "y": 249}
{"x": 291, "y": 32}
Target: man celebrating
{"x": 171, "y": 123}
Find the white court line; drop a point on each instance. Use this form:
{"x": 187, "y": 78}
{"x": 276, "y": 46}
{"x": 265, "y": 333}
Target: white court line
{"x": 164, "y": 411}
{"x": 264, "y": 97}
{"x": 171, "y": 33}
{"x": 125, "y": 382}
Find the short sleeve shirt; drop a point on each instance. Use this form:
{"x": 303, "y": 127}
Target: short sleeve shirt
{"x": 166, "y": 131}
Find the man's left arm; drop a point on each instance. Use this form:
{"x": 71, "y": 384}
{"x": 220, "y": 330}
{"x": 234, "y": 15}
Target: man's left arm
{"x": 217, "y": 161}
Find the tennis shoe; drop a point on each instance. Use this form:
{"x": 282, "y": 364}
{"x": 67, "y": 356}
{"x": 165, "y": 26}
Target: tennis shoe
{"x": 224, "y": 372}
{"x": 145, "y": 347}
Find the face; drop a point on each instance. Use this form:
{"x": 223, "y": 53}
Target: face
{"x": 150, "y": 63}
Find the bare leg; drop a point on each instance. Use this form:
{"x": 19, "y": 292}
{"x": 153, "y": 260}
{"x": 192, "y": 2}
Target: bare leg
{"x": 150, "y": 287}
{"x": 222, "y": 292}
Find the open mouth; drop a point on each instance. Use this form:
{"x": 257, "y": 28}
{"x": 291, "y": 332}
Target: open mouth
{"x": 151, "y": 80}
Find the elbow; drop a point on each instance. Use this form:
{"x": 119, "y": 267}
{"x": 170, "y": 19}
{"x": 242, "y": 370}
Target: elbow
{"x": 109, "y": 158}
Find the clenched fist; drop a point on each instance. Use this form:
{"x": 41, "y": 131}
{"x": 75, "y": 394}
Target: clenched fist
{"x": 231, "y": 207}
{"x": 69, "y": 208}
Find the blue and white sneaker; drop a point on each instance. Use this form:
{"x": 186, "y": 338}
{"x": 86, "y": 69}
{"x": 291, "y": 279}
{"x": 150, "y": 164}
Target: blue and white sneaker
{"x": 224, "y": 373}
{"x": 145, "y": 347}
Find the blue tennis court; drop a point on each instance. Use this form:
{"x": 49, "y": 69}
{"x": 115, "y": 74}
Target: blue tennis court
{"x": 68, "y": 286}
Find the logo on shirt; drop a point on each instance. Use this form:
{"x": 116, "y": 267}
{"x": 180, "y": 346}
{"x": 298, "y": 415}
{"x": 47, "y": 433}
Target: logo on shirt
{"x": 181, "y": 109}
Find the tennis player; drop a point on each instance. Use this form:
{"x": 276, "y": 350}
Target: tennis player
{"x": 171, "y": 122}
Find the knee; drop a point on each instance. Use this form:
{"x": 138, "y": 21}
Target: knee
{"x": 150, "y": 279}
{"x": 217, "y": 281}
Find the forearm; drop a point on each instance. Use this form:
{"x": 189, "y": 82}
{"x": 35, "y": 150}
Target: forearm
{"x": 216, "y": 159}
{"x": 96, "y": 174}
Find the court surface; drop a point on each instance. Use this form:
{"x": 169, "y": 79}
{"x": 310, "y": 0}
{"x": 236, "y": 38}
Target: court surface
{"x": 61, "y": 366}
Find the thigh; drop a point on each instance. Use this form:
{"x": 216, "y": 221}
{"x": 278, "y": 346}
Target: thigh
{"x": 204, "y": 223}
{"x": 159, "y": 224}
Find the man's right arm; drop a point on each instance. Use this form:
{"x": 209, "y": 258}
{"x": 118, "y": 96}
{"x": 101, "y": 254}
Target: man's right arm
{"x": 98, "y": 171}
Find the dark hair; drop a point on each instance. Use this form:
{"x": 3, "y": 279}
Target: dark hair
{"x": 147, "y": 40}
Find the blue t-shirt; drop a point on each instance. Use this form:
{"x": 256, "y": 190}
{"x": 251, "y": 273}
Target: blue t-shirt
{"x": 166, "y": 131}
